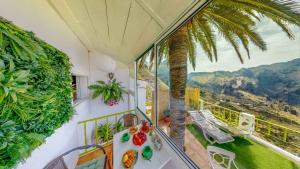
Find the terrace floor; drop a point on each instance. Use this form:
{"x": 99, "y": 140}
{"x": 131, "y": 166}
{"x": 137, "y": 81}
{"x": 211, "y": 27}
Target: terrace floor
{"x": 193, "y": 148}
{"x": 196, "y": 151}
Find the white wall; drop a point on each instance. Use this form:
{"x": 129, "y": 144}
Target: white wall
{"x": 38, "y": 16}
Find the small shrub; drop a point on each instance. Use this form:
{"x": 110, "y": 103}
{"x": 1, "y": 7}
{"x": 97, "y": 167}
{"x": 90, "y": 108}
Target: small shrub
{"x": 105, "y": 132}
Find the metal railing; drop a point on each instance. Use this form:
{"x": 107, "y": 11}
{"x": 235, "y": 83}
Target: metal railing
{"x": 95, "y": 122}
{"x": 275, "y": 133}
{"x": 229, "y": 116}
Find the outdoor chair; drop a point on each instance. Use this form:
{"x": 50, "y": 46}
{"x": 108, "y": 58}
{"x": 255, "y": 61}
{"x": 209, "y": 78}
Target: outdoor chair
{"x": 101, "y": 162}
{"x": 210, "y": 131}
{"x": 129, "y": 120}
{"x": 246, "y": 124}
{"x": 220, "y": 158}
{"x": 207, "y": 114}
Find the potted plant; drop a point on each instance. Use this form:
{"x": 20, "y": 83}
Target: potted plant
{"x": 111, "y": 92}
{"x": 118, "y": 127}
{"x": 167, "y": 116}
{"x": 105, "y": 132}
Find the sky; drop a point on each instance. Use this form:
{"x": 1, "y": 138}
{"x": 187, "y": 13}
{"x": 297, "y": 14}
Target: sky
{"x": 279, "y": 49}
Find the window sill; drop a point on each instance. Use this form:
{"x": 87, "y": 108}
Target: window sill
{"x": 79, "y": 101}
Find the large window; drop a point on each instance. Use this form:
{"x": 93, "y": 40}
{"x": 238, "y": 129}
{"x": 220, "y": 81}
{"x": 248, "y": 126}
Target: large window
{"x": 228, "y": 78}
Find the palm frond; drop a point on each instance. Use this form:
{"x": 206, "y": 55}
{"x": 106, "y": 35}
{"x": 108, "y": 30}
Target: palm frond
{"x": 163, "y": 51}
{"x": 284, "y": 28}
{"x": 201, "y": 38}
{"x": 192, "y": 52}
{"x": 230, "y": 37}
{"x": 209, "y": 33}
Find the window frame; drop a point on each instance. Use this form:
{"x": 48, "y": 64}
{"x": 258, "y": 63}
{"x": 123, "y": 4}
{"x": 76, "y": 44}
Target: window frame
{"x": 80, "y": 97}
{"x": 136, "y": 87}
{"x": 183, "y": 19}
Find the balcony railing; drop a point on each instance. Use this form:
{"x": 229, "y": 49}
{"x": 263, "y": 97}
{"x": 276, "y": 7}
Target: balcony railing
{"x": 277, "y": 134}
{"x": 90, "y": 127}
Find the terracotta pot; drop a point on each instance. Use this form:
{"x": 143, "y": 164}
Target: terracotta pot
{"x": 167, "y": 119}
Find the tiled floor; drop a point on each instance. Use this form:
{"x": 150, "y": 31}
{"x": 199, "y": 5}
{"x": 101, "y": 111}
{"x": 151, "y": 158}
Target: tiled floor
{"x": 196, "y": 151}
{"x": 193, "y": 148}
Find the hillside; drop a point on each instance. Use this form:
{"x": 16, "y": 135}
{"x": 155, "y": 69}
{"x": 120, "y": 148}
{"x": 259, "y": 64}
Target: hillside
{"x": 275, "y": 82}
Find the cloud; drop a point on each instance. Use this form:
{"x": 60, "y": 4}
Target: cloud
{"x": 280, "y": 49}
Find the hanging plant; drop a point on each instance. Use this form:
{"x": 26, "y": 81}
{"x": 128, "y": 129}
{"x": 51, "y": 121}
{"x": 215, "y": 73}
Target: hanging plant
{"x": 112, "y": 92}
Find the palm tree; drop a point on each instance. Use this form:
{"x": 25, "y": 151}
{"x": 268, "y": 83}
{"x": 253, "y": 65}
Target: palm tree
{"x": 233, "y": 20}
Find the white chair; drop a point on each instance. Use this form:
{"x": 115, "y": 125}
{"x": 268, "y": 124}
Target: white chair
{"x": 220, "y": 158}
{"x": 211, "y": 132}
{"x": 245, "y": 127}
{"x": 209, "y": 116}
{"x": 246, "y": 124}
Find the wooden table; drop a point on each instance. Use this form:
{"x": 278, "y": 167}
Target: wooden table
{"x": 158, "y": 160}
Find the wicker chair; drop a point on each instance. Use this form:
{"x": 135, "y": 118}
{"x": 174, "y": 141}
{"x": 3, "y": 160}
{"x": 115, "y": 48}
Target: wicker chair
{"x": 129, "y": 120}
{"x": 58, "y": 162}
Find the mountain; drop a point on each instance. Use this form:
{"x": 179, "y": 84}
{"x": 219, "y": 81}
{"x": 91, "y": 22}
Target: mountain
{"x": 275, "y": 82}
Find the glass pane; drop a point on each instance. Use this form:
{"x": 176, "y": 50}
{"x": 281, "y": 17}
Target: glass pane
{"x": 227, "y": 79}
{"x": 146, "y": 84}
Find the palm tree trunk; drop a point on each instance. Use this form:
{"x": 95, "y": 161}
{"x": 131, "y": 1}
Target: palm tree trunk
{"x": 178, "y": 76}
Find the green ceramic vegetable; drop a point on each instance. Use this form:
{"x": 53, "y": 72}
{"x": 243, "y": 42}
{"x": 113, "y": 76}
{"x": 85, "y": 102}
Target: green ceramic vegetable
{"x": 147, "y": 153}
{"x": 125, "y": 137}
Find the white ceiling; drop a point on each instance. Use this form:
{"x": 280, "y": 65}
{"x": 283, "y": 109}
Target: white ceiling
{"x": 122, "y": 29}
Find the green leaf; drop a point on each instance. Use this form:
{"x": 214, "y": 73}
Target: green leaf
{"x": 2, "y": 65}
{"x": 6, "y": 91}
{"x": 13, "y": 96}
{"x": 2, "y": 76}
{"x": 1, "y": 40}
{"x": 8, "y": 124}
{"x": 3, "y": 145}
{"x": 11, "y": 65}
{"x": 101, "y": 82}
{"x": 22, "y": 75}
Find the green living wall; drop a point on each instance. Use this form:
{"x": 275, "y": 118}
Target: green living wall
{"x": 35, "y": 92}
